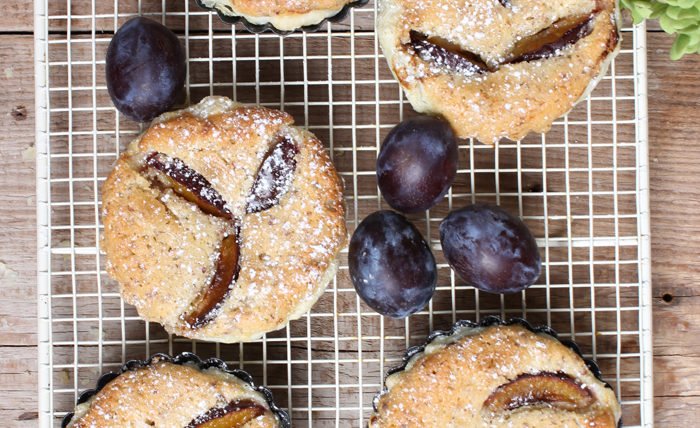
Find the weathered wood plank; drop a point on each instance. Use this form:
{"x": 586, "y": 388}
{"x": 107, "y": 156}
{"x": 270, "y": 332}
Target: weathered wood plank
{"x": 18, "y": 324}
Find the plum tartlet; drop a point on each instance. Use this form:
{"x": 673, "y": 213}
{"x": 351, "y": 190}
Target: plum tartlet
{"x": 216, "y": 211}
{"x": 497, "y": 68}
{"x": 495, "y": 374}
{"x": 180, "y": 391}
{"x": 281, "y": 16}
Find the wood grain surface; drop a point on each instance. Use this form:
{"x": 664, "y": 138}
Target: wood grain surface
{"x": 674, "y": 96}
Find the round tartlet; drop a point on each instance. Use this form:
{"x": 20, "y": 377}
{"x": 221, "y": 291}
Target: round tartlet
{"x": 497, "y": 68}
{"x": 180, "y": 391}
{"x": 281, "y": 16}
{"x": 495, "y": 374}
{"x": 218, "y": 210}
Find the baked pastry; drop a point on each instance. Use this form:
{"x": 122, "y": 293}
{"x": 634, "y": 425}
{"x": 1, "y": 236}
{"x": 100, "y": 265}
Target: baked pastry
{"x": 495, "y": 375}
{"x": 183, "y": 391}
{"x": 216, "y": 211}
{"x": 497, "y": 68}
{"x": 281, "y": 16}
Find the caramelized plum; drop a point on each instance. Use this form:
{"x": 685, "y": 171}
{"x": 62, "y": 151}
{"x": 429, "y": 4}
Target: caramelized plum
{"x": 552, "y": 39}
{"x": 274, "y": 176}
{"x": 233, "y": 415}
{"x": 145, "y": 68}
{"x": 417, "y": 163}
{"x": 556, "y": 389}
{"x": 189, "y": 184}
{"x": 226, "y": 272}
{"x": 490, "y": 249}
{"x": 390, "y": 265}
{"x": 442, "y": 53}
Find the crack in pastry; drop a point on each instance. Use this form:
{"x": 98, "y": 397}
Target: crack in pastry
{"x": 497, "y": 69}
{"x": 233, "y": 415}
{"x": 274, "y": 176}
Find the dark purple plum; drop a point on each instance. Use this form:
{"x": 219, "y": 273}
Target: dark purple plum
{"x": 391, "y": 266}
{"x": 145, "y": 68}
{"x": 417, "y": 163}
{"x": 490, "y": 249}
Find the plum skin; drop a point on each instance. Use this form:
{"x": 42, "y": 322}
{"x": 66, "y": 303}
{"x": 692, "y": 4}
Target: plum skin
{"x": 391, "y": 265}
{"x": 145, "y": 69}
{"x": 417, "y": 163}
{"x": 490, "y": 249}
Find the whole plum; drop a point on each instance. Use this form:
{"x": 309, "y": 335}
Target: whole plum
{"x": 145, "y": 69}
{"x": 417, "y": 163}
{"x": 490, "y": 249}
{"x": 391, "y": 265}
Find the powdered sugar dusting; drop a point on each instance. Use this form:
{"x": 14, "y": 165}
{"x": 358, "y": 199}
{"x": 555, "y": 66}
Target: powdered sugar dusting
{"x": 285, "y": 249}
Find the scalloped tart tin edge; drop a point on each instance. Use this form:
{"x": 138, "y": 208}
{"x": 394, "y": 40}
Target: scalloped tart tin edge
{"x": 488, "y": 321}
{"x": 260, "y": 28}
{"x": 181, "y": 359}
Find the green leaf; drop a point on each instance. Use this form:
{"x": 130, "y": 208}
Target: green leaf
{"x": 679, "y": 17}
{"x": 679, "y": 47}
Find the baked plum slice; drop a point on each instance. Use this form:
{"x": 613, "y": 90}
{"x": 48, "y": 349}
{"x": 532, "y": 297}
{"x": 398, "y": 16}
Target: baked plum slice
{"x": 543, "y": 44}
{"x": 210, "y": 299}
{"x": 551, "y": 40}
{"x": 189, "y": 184}
{"x": 443, "y": 53}
{"x": 234, "y": 415}
{"x": 274, "y": 176}
{"x": 556, "y": 389}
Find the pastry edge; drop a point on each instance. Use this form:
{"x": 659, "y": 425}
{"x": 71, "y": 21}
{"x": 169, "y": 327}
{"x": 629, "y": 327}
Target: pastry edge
{"x": 439, "y": 339}
{"x": 285, "y": 23}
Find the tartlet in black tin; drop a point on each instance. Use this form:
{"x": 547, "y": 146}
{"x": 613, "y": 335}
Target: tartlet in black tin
{"x": 177, "y": 391}
{"x": 281, "y": 16}
{"x": 494, "y": 374}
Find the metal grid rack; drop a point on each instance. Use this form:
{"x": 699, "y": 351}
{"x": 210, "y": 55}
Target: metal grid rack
{"x": 582, "y": 189}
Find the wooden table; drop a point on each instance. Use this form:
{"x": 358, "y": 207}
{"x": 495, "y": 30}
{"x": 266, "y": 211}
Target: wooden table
{"x": 674, "y": 100}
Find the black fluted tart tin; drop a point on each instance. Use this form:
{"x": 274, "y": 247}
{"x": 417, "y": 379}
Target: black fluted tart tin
{"x": 260, "y": 28}
{"x": 486, "y": 322}
{"x": 182, "y": 359}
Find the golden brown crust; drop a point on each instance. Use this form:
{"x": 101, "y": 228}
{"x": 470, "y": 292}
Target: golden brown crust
{"x": 516, "y": 98}
{"x": 285, "y": 15}
{"x": 448, "y": 384}
{"x": 165, "y": 394}
{"x": 281, "y": 7}
{"x": 162, "y": 249}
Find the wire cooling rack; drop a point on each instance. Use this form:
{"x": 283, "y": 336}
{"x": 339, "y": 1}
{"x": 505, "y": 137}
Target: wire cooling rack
{"x": 581, "y": 188}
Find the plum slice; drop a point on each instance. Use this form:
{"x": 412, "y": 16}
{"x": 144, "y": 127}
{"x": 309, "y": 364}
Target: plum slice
{"x": 446, "y": 54}
{"x": 227, "y": 268}
{"x": 189, "y": 184}
{"x": 235, "y": 414}
{"x": 551, "y": 40}
{"x": 274, "y": 176}
{"x": 556, "y": 389}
